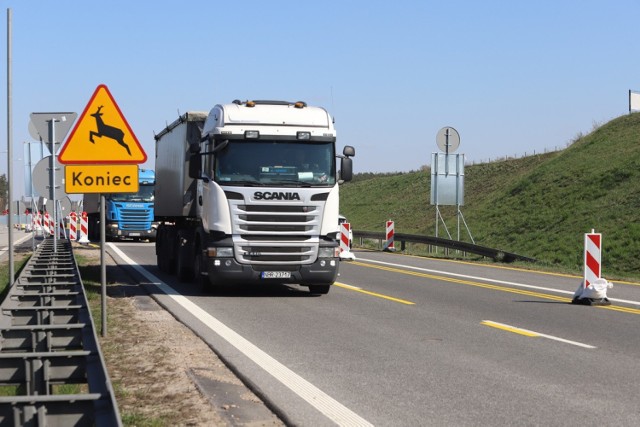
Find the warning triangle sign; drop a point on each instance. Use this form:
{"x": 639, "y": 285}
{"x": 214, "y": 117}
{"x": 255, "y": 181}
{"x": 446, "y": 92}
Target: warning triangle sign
{"x": 102, "y": 135}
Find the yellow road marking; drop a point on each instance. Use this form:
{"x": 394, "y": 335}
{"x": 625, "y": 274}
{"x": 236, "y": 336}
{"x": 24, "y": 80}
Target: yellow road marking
{"x": 489, "y": 286}
{"x": 509, "y": 328}
{"x": 533, "y": 334}
{"x": 387, "y": 297}
{"x": 501, "y": 267}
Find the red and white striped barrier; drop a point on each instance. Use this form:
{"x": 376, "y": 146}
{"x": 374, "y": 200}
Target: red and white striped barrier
{"x": 345, "y": 251}
{"x": 593, "y": 289}
{"x": 389, "y": 243}
{"x": 46, "y": 224}
{"x": 62, "y": 231}
{"x": 37, "y": 221}
{"x": 73, "y": 226}
{"x": 84, "y": 228}
{"x": 592, "y": 257}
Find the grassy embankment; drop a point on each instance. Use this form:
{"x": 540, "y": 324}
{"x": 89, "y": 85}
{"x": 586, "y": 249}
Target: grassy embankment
{"x": 539, "y": 206}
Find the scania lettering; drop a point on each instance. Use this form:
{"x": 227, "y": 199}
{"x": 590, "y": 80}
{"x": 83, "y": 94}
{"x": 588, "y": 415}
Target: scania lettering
{"x": 248, "y": 194}
{"x": 258, "y": 195}
{"x": 127, "y": 215}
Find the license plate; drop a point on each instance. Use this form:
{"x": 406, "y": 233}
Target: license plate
{"x": 275, "y": 274}
{"x": 134, "y": 234}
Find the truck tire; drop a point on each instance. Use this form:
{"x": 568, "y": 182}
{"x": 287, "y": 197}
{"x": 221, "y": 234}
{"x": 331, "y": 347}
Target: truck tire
{"x": 184, "y": 269}
{"x": 161, "y": 251}
{"x": 165, "y": 249}
{"x": 185, "y": 252}
{"x": 319, "y": 289}
{"x": 199, "y": 267}
{"x": 93, "y": 228}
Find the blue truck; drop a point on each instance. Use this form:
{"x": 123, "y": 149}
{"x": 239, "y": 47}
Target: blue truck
{"x": 128, "y": 216}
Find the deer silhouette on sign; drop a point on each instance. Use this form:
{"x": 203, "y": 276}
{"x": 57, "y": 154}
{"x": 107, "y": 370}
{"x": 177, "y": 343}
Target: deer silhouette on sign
{"x": 107, "y": 131}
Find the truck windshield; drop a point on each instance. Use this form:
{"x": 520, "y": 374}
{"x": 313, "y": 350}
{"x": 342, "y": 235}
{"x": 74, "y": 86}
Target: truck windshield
{"x": 145, "y": 194}
{"x": 271, "y": 162}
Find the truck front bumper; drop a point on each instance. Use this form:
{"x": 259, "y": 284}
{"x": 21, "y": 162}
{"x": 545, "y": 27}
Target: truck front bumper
{"x": 227, "y": 271}
{"x": 117, "y": 233}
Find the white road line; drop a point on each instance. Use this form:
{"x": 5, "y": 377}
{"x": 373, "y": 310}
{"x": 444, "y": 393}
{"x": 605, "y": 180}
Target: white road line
{"x": 534, "y": 333}
{"x": 16, "y": 242}
{"x": 502, "y": 282}
{"x": 324, "y": 403}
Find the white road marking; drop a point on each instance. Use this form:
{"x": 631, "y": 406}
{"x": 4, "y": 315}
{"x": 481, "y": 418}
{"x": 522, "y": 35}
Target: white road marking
{"x": 502, "y": 282}
{"x": 535, "y": 334}
{"x": 5, "y": 249}
{"x": 324, "y": 403}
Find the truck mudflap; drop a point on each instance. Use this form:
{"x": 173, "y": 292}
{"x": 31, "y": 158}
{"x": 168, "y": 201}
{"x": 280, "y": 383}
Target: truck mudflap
{"x": 227, "y": 271}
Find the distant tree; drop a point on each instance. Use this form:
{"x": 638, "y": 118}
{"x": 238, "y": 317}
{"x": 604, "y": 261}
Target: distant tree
{"x": 4, "y": 192}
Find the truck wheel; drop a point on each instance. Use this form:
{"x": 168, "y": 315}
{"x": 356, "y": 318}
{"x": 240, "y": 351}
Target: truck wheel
{"x": 184, "y": 267}
{"x": 319, "y": 289}
{"x": 171, "y": 251}
{"x": 161, "y": 251}
{"x": 93, "y": 228}
{"x": 185, "y": 273}
{"x": 165, "y": 250}
{"x": 201, "y": 280}
{"x": 164, "y": 260}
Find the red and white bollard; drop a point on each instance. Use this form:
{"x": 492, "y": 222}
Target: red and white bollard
{"x": 84, "y": 228}
{"x": 593, "y": 289}
{"x": 592, "y": 257}
{"x": 46, "y": 224}
{"x": 73, "y": 226}
{"x": 61, "y": 228}
{"x": 36, "y": 223}
{"x": 345, "y": 251}
{"x": 389, "y": 244}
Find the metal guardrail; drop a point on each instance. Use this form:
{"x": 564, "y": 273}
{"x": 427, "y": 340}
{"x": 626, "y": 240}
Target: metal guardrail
{"x": 50, "y": 361}
{"x": 496, "y": 254}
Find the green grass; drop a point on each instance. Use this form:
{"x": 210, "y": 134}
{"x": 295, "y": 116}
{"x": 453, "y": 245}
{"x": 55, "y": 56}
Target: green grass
{"x": 539, "y": 206}
{"x": 18, "y": 265}
{"x": 91, "y": 279}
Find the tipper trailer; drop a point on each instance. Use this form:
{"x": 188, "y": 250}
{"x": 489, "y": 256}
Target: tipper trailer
{"x": 248, "y": 193}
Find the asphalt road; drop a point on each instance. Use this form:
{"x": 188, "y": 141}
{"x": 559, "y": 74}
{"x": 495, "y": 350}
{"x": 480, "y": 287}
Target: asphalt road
{"x": 408, "y": 341}
{"x": 20, "y": 239}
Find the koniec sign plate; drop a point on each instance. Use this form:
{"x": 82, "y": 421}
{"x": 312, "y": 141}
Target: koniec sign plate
{"x": 101, "y": 179}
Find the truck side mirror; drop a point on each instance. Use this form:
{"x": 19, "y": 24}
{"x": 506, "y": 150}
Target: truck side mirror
{"x": 349, "y": 151}
{"x": 195, "y": 166}
{"x": 346, "y": 169}
{"x": 194, "y": 147}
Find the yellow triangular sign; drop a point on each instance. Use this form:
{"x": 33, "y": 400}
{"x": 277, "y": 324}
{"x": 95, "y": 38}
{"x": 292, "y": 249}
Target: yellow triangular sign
{"x": 102, "y": 135}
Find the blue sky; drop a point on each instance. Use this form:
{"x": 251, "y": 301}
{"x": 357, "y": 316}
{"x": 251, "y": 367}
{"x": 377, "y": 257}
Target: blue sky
{"x": 513, "y": 77}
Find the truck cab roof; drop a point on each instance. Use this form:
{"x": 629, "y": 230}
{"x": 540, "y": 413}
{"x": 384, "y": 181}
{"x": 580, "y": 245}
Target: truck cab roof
{"x": 278, "y": 118}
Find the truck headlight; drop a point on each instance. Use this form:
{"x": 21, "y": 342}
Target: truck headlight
{"x": 221, "y": 252}
{"x": 327, "y": 252}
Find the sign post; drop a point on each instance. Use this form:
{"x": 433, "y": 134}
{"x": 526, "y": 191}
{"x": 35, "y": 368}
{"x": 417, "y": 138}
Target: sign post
{"x": 43, "y": 127}
{"x": 447, "y": 178}
{"x": 102, "y": 155}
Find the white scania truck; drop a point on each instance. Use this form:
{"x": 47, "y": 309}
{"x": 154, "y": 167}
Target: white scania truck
{"x": 248, "y": 193}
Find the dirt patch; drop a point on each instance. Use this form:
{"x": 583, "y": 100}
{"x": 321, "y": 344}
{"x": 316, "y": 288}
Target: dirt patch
{"x": 163, "y": 374}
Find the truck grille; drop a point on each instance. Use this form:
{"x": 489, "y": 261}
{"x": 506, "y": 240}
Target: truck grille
{"x": 276, "y": 234}
{"x": 135, "y": 219}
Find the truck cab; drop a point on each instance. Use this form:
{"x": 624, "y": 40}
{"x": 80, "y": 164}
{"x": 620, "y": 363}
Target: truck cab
{"x": 128, "y": 216}
{"x": 257, "y": 199}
